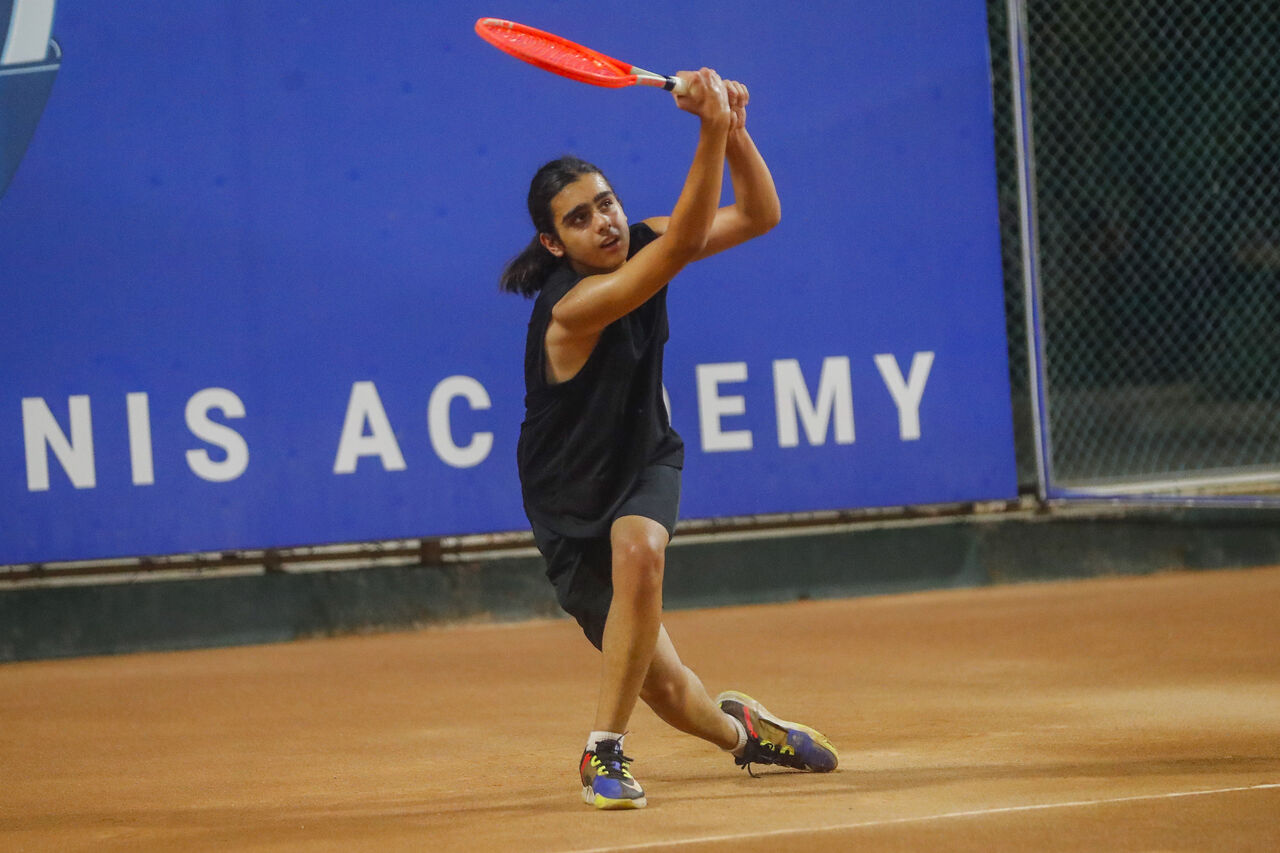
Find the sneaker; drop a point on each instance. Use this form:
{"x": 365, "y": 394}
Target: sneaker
{"x": 771, "y": 740}
{"x": 607, "y": 782}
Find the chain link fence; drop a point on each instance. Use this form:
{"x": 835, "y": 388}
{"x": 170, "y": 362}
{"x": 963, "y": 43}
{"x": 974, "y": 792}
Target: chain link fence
{"x": 1156, "y": 134}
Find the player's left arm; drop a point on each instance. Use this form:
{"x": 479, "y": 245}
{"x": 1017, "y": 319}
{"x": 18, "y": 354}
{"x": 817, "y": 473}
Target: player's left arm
{"x": 756, "y": 207}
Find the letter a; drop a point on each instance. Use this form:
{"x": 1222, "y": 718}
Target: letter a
{"x": 365, "y": 407}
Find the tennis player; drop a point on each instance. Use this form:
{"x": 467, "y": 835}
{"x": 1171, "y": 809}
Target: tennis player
{"x": 599, "y": 462}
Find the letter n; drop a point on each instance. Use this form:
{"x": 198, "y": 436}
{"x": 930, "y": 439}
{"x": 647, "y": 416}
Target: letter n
{"x": 41, "y": 433}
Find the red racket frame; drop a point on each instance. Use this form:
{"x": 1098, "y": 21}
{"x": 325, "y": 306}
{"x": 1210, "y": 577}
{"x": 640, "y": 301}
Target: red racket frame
{"x": 558, "y": 55}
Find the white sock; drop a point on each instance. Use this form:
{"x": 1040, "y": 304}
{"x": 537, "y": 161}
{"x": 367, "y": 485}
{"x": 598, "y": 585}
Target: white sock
{"x": 742, "y": 735}
{"x": 594, "y": 739}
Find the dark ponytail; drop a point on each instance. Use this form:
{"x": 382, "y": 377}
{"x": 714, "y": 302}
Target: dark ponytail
{"x": 528, "y": 271}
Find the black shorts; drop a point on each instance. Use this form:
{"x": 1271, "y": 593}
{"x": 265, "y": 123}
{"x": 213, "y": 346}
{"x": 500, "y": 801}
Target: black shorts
{"x": 581, "y": 570}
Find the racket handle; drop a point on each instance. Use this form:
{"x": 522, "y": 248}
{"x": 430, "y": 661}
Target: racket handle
{"x": 676, "y": 85}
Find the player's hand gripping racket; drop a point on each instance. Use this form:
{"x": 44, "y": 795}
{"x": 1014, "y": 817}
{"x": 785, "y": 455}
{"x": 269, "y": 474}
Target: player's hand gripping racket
{"x": 561, "y": 56}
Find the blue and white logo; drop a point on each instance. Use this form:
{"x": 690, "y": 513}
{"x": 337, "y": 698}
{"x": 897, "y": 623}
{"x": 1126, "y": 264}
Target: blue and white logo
{"x": 29, "y": 61}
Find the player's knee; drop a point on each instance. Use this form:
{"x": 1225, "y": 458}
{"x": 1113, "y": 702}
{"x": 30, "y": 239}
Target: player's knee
{"x": 639, "y": 561}
{"x": 662, "y": 693}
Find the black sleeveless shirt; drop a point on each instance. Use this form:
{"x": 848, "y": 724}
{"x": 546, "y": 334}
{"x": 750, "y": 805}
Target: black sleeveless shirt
{"x": 584, "y": 442}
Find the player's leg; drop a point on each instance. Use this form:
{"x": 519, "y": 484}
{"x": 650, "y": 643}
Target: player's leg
{"x": 638, "y": 538}
{"x": 635, "y": 616}
{"x": 676, "y": 695}
{"x": 734, "y": 721}
{"x": 638, "y": 547}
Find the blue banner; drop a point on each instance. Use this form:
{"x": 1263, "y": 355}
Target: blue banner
{"x": 249, "y": 254}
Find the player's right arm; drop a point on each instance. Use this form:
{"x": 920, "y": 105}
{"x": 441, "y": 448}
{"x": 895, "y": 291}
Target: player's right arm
{"x": 598, "y": 300}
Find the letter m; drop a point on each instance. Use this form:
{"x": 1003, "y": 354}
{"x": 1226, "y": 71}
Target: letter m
{"x": 835, "y": 398}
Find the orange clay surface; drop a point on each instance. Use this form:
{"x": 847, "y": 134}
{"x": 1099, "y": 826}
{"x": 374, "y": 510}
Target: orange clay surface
{"x": 1112, "y": 714}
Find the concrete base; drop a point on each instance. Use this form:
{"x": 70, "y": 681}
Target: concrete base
{"x": 703, "y": 570}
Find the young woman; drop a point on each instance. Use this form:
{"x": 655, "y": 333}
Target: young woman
{"x": 599, "y": 462}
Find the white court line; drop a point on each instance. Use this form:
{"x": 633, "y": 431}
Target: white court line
{"x": 746, "y": 836}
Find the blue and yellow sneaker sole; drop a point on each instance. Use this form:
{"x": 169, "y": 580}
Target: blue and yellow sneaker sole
{"x": 593, "y": 798}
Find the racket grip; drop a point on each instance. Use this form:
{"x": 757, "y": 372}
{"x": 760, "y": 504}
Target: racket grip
{"x": 676, "y": 85}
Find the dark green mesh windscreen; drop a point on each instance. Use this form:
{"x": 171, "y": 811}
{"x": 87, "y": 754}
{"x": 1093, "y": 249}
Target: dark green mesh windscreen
{"x": 1156, "y": 129}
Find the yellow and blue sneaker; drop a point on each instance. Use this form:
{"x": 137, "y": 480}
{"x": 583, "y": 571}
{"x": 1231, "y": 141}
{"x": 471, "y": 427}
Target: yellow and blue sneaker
{"x": 607, "y": 782}
{"x": 772, "y": 740}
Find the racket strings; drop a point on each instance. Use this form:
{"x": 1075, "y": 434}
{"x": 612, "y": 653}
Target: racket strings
{"x": 559, "y": 55}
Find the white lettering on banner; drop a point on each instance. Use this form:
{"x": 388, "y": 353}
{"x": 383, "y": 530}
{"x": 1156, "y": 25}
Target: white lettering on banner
{"x": 440, "y": 431}
{"x": 365, "y": 406}
{"x": 712, "y": 407}
{"x": 40, "y": 433}
{"x": 140, "y": 459}
{"x": 793, "y": 404}
{"x": 367, "y": 431}
{"x": 219, "y": 435}
{"x": 906, "y": 395}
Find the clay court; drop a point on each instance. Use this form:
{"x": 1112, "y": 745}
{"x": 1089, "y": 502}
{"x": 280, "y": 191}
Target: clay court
{"x": 1112, "y": 714}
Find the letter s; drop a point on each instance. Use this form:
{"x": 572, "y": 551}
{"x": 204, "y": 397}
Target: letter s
{"x": 219, "y": 435}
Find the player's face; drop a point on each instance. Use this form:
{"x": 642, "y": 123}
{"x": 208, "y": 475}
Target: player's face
{"x": 591, "y": 228}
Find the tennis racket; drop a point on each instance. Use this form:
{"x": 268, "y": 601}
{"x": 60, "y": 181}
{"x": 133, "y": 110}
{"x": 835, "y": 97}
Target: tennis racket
{"x": 561, "y": 56}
